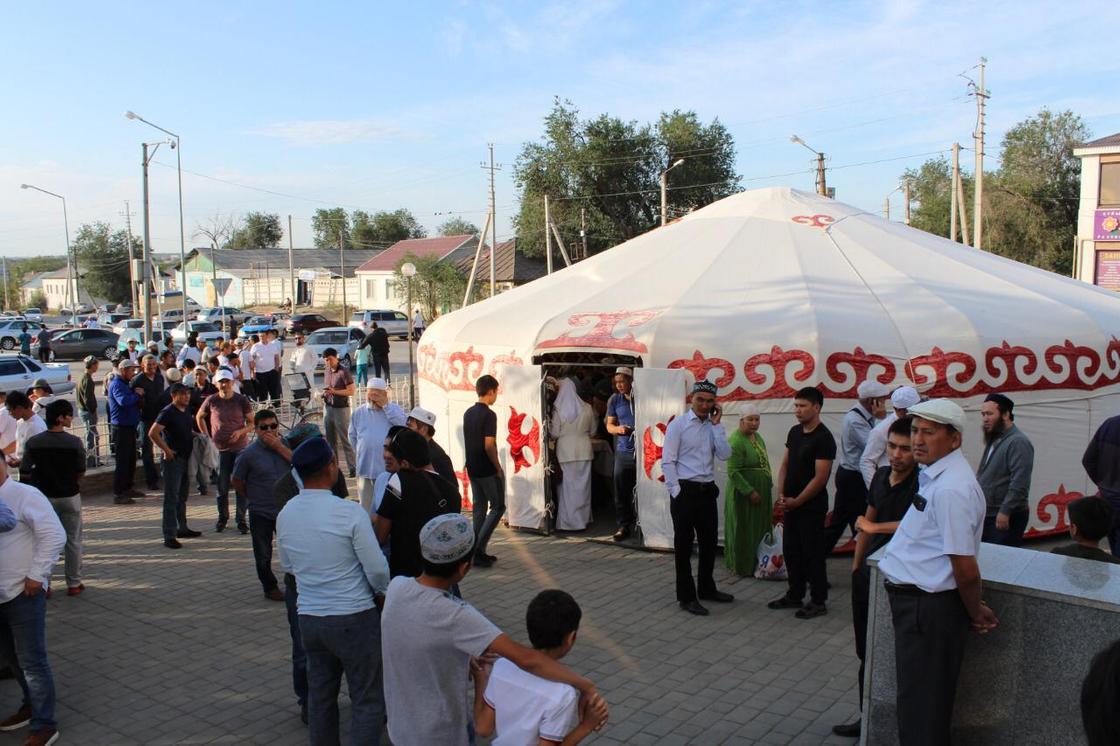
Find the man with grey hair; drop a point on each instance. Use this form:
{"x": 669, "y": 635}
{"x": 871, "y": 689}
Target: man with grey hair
{"x": 875, "y": 452}
{"x": 851, "y": 492}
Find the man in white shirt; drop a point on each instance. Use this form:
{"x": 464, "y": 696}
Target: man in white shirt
{"x": 692, "y": 444}
{"x": 7, "y": 428}
{"x": 190, "y": 351}
{"x": 875, "y": 452}
{"x": 27, "y": 423}
{"x": 92, "y": 323}
{"x": 851, "y": 492}
{"x": 417, "y": 324}
{"x": 932, "y": 577}
{"x": 27, "y": 553}
{"x": 303, "y": 359}
{"x": 369, "y": 425}
{"x": 265, "y": 366}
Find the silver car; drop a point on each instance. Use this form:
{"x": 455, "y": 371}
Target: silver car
{"x": 343, "y": 339}
{"x": 18, "y": 372}
{"x": 10, "y": 331}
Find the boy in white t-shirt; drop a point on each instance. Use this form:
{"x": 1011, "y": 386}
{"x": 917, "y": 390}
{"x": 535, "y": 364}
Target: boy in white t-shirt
{"x": 526, "y": 710}
{"x": 429, "y": 639}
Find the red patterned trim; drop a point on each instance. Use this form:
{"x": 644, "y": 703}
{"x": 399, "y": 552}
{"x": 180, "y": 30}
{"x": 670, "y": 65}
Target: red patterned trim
{"x": 519, "y": 441}
{"x": 1058, "y": 501}
{"x": 596, "y": 330}
{"x": 458, "y": 371}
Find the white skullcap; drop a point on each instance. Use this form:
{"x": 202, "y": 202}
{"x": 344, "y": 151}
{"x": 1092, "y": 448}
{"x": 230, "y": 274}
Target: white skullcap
{"x": 377, "y": 383}
{"x": 905, "y": 397}
{"x": 750, "y": 409}
{"x": 872, "y": 389}
{"x": 446, "y": 538}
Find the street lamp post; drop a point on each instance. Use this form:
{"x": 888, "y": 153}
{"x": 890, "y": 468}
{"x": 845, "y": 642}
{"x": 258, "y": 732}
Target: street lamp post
{"x": 665, "y": 190}
{"x": 822, "y": 188}
{"x": 177, "y": 147}
{"x": 408, "y": 269}
{"x": 71, "y": 285}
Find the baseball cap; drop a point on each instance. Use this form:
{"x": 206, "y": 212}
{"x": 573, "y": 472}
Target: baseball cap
{"x": 127, "y": 363}
{"x": 223, "y": 375}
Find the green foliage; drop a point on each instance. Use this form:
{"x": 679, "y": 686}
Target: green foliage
{"x": 456, "y": 226}
{"x": 22, "y": 270}
{"x": 1030, "y": 203}
{"x": 612, "y": 169}
{"x": 437, "y": 287}
{"x": 103, "y": 259}
{"x": 258, "y": 230}
{"x": 330, "y": 226}
{"x": 362, "y": 230}
{"x": 38, "y": 300}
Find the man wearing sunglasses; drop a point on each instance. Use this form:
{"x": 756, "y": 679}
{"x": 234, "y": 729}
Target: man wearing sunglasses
{"x": 932, "y": 577}
{"x": 255, "y": 473}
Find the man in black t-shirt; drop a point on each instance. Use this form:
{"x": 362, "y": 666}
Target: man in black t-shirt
{"x": 488, "y": 485}
{"x": 892, "y": 491}
{"x": 172, "y": 432}
{"x": 423, "y": 495}
{"x": 803, "y": 500}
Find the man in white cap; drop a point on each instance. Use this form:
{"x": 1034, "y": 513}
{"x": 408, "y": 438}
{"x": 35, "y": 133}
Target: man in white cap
{"x": 226, "y": 418}
{"x": 620, "y": 424}
{"x": 424, "y": 422}
{"x": 369, "y": 425}
{"x": 429, "y": 638}
{"x": 851, "y": 492}
{"x": 875, "y": 455}
{"x": 932, "y": 576}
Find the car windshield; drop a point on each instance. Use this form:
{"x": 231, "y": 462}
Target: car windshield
{"x": 258, "y": 321}
{"x": 359, "y": 316}
{"x": 197, "y": 326}
{"x": 328, "y": 338}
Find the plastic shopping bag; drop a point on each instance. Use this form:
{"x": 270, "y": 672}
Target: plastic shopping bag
{"x": 771, "y": 562}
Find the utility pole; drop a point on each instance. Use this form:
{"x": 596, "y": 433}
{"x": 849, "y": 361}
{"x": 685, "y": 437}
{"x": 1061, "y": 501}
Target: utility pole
{"x": 953, "y": 191}
{"x": 583, "y": 231}
{"x": 906, "y": 201}
{"x": 291, "y": 269}
{"x": 342, "y": 274}
{"x": 146, "y": 280}
{"x": 887, "y": 207}
{"x": 978, "y": 209}
{"x": 492, "y": 220}
{"x": 822, "y": 187}
{"x": 7, "y": 282}
{"x": 132, "y": 262}
{"x": 547, "y": 236}
{"x": 962, "y": 209}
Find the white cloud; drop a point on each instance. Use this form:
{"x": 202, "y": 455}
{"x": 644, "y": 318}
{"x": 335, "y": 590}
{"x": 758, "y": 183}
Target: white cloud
{"x": 312, "y": 133}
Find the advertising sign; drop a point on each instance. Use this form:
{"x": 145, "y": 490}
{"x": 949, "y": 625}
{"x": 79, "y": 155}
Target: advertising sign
{"x": 1108, "y": 269}
{"x": 1106, "y": 225}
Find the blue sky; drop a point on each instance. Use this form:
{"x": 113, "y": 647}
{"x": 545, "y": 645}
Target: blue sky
{"x": 387, "y": 105}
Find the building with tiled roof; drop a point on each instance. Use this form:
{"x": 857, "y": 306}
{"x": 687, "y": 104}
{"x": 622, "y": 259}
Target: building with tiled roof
{"x": 1096, "y": 257}
{"x": 377, "y": 277}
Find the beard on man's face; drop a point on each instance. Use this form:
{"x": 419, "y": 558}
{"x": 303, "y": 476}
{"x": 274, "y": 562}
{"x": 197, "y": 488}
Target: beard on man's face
{"x": 996, "y": 431}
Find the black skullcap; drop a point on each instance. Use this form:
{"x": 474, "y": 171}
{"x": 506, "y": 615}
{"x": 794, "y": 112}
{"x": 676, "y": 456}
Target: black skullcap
{"x": 1004, "y": 403}
{"x": 311, "y": 456}
{"x": 704, "y": 387}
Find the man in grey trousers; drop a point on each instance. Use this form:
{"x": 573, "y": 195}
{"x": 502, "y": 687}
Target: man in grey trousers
{"x": 338, "y": 387}
{"x": 1005, "y": 473}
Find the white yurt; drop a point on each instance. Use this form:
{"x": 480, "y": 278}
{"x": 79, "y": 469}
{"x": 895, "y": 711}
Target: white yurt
{"x": 770, "y": 290}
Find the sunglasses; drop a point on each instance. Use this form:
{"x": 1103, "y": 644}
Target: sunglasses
{"x": 273, "y": 426}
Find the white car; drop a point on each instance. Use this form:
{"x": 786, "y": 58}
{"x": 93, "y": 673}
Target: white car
{"x": 343, "y": 339}
{"x": 120, "y": 326}
{"x": 32, "y": 314}
{"x": 18, "y": 372}
{"x": 10, "y": 331}
{"x": 394, "y": 323}
{"x": 206, "y": 331}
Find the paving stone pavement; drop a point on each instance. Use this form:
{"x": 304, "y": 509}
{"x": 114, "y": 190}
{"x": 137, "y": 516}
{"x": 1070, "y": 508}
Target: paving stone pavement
{"x": 180, "y": 647}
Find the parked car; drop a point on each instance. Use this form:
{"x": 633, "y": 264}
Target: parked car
{"x": 125, "y": 308}
{"x": 206, "y": 331}
{"x": 123, "y": 324}
{"x": 33, "y": 314}
{"x": 260, "y": 325}
{"x": 18, "y": 372}
{"x": 305, "y": 323}
{"x": 10, "y": 331}
{"x": 138, "y": 335}
{"x": 175, "y": 314}
{"x": 344, "y": 339}
{"x": 111, "y": 319}
{"x": 107, "y": 308}
{"x": 75, "y": 344}
{"x": 394, "y": 323}
{"x": 215, "y": 314}
{"x": 174, "y": 299}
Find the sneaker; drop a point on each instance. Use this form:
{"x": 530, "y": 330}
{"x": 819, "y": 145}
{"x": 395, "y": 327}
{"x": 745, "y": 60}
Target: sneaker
{"x": 76, "y": 589}
{"x": 811, "y": 610}
{"x": 42, "y": 737}
{"x": 136, "y": 493}
{"x": 20, "y": 719}
{"x": 172, "y": 544}
{"x": 202, "y": 490}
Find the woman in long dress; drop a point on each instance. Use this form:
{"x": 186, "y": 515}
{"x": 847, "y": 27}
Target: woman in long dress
{"x": 573, "y": 425}
{"x": 747, "y": 516}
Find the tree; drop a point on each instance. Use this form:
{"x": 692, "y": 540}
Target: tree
{"x": 38, "y": 300}
{"x": 1030, "y": 202}
{"x": 216, "y": 229}
{"x": 21, "y": 271}
{"x": 456, "y": 226}
{"x": 384, "y": 228}
{"x": 610, "y": 168}
{"x": 258, "y": 230}
{"x": 103, "y": 258}
{"x": 436, "y": 287}
{"x": 329, "y": 226}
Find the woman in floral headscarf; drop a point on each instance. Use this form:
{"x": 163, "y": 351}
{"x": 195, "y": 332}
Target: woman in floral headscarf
{"x": 747, "y": 516}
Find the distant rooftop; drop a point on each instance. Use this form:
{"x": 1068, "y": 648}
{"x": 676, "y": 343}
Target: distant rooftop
{"x": 1102, "y": 142}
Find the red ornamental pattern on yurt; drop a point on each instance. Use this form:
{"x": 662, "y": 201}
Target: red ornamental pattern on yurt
{"x": 1059, "y": 501}
{"x": 519, "y": 440}
{"x": 652, "y": 450}
{"x": 458, "y": 371}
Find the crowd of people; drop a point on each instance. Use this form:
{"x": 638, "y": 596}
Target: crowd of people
{"x": 371, "y": 585}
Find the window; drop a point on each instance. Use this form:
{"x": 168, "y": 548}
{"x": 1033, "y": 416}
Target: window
{"x": 370, "y": 288}
{"x": 31, "y": 365}
{"x": 388, "y": 289}
{"x": 11, "y": 368}
{"x": 1110, "y": 184}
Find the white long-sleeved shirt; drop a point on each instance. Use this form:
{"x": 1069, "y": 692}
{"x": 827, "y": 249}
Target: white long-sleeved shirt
{"x": 875, "y": 452}
{"x": 7, "y": 428}
{"x": 30, "y": 549}
{"x": 189, "y": 353}
{"x": 302, "y": 360}
{"x": 691, "y": 447}
{"x": 854, "y": 430}
{"x": 368, "y": 427}
{"x": 33, "y": 425}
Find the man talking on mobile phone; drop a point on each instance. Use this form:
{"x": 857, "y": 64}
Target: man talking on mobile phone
{"x": 692, "y": 444}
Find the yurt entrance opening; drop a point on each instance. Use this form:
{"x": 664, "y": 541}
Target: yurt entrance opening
{"x": 579, "y": 483}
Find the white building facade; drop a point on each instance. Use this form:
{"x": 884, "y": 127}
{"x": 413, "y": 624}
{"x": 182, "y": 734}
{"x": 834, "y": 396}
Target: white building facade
{"x": 1097, "y": 253}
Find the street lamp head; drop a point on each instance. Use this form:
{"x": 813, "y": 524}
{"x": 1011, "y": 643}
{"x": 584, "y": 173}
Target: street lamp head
{"x": 408, "y": 269}
{"x": 24, "y": 186}
{"x": 678, "y": 162}
{"x": 796, "y": 140}
{"x": 130, "y": 115}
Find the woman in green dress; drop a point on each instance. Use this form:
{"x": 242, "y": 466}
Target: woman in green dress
{"x": 747, "y": 508}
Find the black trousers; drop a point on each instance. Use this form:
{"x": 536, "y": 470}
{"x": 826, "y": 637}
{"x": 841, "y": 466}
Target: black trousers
{"x": 261, "y": 530}
{"x": 930, "y": 630}
{"x": 694, "y": 514}
{"x": 268, "y": 386}
{"x": 861, "y": 595}
{"x": 125, "y": 465}
{"x": 380, "y": 362}
{"x": 625, "y": 476}
{"x": 851, "y": 503}
{"x": 804, "y": 551}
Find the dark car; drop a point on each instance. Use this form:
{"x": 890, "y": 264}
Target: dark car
{"x": 75, "y": 344}
{"x": 305, "y": 323}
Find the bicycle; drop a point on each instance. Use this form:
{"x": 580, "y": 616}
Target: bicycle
{"x": 299, "y": 410}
